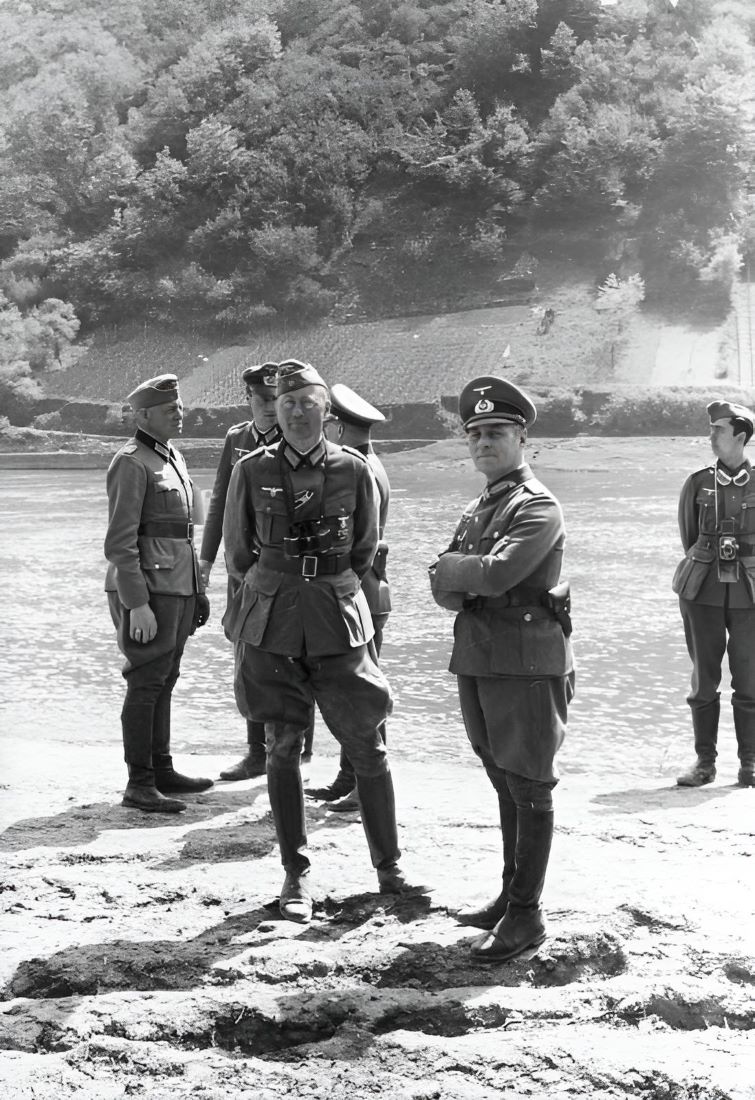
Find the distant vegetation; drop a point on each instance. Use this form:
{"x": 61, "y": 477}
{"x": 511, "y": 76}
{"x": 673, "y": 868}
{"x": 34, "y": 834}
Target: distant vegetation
{"x": 229, "y": 164}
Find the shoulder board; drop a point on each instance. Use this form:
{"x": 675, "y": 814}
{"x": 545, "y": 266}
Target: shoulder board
{"x": 128, "y": 448}
{"x": 239, "y": 427}
{"x": 704, "y": 470}
{"x": 354, "y": 452}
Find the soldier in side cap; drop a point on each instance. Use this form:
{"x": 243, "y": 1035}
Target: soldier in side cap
{"x": 511, "y": 654}
{"x": 715, "y": 583}
{"x": 350, "y": 425}
{"x": 155, "y": 591}
{"x": 300, "y": 530}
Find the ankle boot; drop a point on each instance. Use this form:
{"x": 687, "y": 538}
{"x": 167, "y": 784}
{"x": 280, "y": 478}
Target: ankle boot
{"x": 744, "y": 726}
{"x": 168, "y": 780}
{"x": 254, "y": 763}
{"x": 378, "y": 805}
{"x": 522, "y": 926}
{"x": 487, "y": 916}
{"x": 284, "y": 787}
{"x": 141, "y": 793}
{"x": 702, "y": 771}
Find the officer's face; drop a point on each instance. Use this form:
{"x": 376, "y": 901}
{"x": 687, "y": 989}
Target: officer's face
{"x": 262, "y": 404}
{"x": 164, "y": 421}
{"x": 725, "y": 444}
{"x": 496, "y": 449}
{"x": 301, "y": 414}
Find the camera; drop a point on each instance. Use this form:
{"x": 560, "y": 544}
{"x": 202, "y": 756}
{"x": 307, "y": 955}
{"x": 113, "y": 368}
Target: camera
{"x": 307, "y": 538}
{"x": 727, "y": 542}
{"x": 727, "y": 548}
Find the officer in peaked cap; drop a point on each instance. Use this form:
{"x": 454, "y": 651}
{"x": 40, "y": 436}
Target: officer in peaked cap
{"x": 352, "y": 419}
{"x": 154, "y": 587}
{"x": 511, "y": 654}
{"x": 715, "y": 583}
{"x": 301, "y": 530}
{"x": 261, "y": 430}
{"x": 494, "y": 399}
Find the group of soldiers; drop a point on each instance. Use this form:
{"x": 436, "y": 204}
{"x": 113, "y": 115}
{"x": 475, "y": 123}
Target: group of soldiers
{"x": 300, "y": 502}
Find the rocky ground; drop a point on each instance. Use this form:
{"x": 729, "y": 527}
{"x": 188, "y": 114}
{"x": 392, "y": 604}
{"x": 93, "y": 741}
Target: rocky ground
{"x": 145, "y": 957}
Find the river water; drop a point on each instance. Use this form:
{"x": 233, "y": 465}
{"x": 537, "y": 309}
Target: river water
{"x": 60, "y": 677}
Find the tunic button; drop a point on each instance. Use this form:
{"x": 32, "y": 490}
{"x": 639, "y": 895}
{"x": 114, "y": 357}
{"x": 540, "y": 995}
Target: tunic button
{"x": 471, "y": 546}
{"x": 527, "y": 616}
{"x": 495, "y": 534}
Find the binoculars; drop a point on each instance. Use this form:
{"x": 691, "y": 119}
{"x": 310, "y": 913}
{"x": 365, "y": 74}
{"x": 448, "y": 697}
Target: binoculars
{"x": 308, "y": 538}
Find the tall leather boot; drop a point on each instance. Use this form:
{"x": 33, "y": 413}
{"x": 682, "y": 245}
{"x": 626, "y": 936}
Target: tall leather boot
{"x": 705, "y": 727}
{"x": 254, "y": 762}
{"x": 141, "y": 792}
{"x": 487, "y": 916}
{"x": 167, "y": 779}
{"x": 378, "y": 805}
{"x": 286, "y": 793}
{"x": 522, "y": 925}
{"x": 744, "y": 726}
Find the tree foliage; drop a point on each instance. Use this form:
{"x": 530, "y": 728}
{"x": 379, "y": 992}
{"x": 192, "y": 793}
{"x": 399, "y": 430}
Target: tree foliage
{"x": 216, "y": 158}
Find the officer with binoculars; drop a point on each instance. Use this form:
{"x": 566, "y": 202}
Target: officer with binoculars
{"x": 300, "y": 531}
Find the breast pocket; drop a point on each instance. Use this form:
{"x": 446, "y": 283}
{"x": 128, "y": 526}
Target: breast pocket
{"x": 168, "y": 497}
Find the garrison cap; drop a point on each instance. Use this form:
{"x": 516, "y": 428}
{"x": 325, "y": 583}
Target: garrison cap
{"x": 155, "y": 391}
{"x": 294, "y": 375}
{"x": 496, "y": 401}
{"x": 728, "y": 410}
{"x": 264, "y": 374}
{"x": 351, "y": 408}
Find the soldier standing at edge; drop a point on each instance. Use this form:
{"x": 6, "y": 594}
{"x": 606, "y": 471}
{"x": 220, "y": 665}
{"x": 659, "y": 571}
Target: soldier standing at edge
{"x": 300, "y": 529}
{"x": 511, "y": 654}
{"x": 350, "y": 425}
{"x": 715, "y": 583}
{"x": 154, "y": 588}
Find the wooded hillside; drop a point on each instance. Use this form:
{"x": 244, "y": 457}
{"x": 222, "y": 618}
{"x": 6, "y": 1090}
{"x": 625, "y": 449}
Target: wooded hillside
{"x": 233, "y": 161}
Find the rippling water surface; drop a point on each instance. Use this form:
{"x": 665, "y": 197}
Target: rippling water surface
{"x": 60, "y": 678}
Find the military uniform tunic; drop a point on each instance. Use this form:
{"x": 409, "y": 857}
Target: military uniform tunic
{"x": 151, "y": 557}
{"x": 305, "y": 622}
{"x": 514, "y": 663}
{"x": 240, "y": 440}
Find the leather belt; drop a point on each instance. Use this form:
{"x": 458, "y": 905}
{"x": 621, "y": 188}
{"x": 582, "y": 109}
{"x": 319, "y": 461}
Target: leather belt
{"x": 167, "y": 529}
{"x": 308, "y": 565}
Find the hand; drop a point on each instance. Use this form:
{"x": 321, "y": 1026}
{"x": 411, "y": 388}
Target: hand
{"x": 201, "y": 612}
{"x": 142, "y": 624}
{"x": 205, "y": 568}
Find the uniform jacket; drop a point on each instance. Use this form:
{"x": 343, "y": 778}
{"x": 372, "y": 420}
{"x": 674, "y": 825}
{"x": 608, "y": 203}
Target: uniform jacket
{"x": 143, "y": 487}
{"x": 702, "y": 506}
{"x": 506, "y": 553}
{"x": 240, "y": 440}
{"x": 286, "y": 612}
{"x": 375, "y": 583}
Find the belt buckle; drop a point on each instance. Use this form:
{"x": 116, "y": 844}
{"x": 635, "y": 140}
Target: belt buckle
{"x": 309, "y": 565}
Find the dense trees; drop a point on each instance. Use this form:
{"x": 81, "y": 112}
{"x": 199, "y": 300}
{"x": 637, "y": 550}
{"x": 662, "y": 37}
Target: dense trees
{"x": 218, "y": 157}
